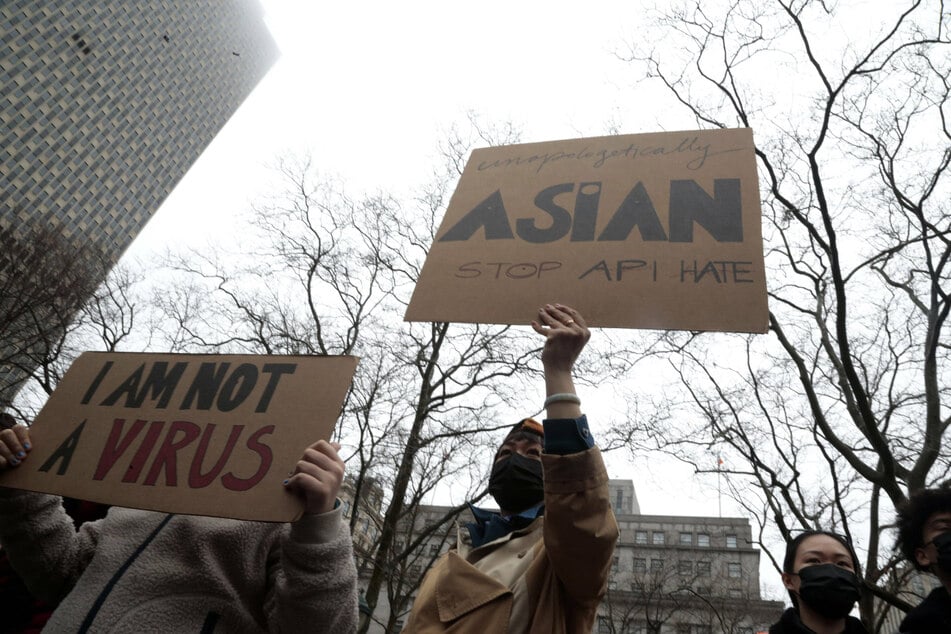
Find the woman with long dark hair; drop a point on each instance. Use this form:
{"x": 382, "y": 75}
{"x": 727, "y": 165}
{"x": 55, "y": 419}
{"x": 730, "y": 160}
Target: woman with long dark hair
{"x": 821, "y": 573}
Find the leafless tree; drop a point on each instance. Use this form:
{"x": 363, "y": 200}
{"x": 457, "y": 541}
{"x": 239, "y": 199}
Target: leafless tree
{"x": 44, "y": 281}
{"x": 109, "y": 320}
{"x": 841, "y": 410}
{"x": 325, "y": 273}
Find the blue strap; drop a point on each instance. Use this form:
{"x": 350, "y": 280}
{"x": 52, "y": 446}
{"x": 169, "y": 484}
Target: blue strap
{"x": 97, "y": 605}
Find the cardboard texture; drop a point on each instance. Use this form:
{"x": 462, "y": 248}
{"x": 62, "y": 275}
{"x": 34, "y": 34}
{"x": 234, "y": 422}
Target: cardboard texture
{"x": 198, "y": 434}
{"x": 646, "y": 231}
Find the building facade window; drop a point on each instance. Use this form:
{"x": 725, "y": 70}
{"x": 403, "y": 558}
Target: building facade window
{"x": 733, "y": 570}
{"x": 640, "y": 537}
{"x": 685, "y": 567}
{"x": 657, "y": 538}
{"x": 703, "y": 568}
{"x": 686, "y": 539}
{"x": 731, "y": 541}
{"x": 640, "y": 565}
{"x": 703, "y": 540}
{"x": 657, "y": 565}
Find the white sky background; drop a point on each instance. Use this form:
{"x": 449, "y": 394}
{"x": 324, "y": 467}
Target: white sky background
{"x": 369, "y": 89}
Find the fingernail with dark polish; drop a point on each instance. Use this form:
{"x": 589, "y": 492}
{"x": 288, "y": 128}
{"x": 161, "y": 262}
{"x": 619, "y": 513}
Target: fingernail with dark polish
{"x": 27, "y": 445}
{"x": 21, "y": 455}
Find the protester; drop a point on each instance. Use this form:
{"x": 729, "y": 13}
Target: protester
{"x": 142, "y": 571}
{"x": 23, "y": 613}
{"x": 924, "y": 538}
{"x": 541, "y": 564}
{"x": 820, "y": 571}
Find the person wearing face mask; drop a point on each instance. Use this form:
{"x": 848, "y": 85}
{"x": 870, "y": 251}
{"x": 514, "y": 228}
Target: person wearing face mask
{"x": 924, "y": 538}
{"x": 820, "y": 571}
{"x": 540, "y": 565}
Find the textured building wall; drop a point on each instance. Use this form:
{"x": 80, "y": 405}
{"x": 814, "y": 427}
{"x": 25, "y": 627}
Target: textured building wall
{"x": 105, "y": 105}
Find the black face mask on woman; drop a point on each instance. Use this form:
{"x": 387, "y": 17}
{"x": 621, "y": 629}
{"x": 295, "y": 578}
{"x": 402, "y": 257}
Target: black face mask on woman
{"x": 829, "y": 590}
{"x": 516, "y": 483}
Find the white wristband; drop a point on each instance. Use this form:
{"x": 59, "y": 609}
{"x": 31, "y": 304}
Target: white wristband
{"x": 564, "y": 397}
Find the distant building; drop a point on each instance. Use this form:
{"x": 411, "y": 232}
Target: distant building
{"x": 671, "y": 574}
{"x": 106, "y": 105}
{"x": 366, "y": 529}
{"x": 914, "y": 585}
{"x": 682, "y": 575}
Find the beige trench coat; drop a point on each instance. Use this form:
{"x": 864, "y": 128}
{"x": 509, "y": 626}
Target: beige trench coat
{"x": 547, "y": 578}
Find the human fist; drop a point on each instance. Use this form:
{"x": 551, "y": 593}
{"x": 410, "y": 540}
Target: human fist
{"x": 318, "y": 476}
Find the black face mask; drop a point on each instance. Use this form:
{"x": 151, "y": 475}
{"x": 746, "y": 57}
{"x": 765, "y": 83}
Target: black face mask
{"x": 942, "y": 544}
{"x": 828, "y": 589}
{"x": 516, "y": 483}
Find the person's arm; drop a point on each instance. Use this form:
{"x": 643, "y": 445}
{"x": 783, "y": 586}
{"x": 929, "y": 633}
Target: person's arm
{"x": 565, "y": 335}
{"x": 313, "y": 579}
{"x": 580, "y": 529}
{"x": 39, "y": 537}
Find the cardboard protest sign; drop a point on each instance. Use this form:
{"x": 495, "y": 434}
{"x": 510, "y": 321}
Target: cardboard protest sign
{"x": 647, "y": 231}
{"x": 198, "y": 434}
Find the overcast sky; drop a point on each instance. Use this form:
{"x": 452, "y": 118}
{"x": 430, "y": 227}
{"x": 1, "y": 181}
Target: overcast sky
{"x": 368, "y": 89}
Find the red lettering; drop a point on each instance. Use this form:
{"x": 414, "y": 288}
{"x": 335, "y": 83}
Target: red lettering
{"x": 115, "y": 447}
{"x": 138, "y": 461}
{"x": 233, "y": 482}
{"x": 199, "y": 480}
{"x": 165, "y": 458}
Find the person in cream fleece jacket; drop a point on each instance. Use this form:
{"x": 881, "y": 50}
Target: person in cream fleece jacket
{"x": 143, "y": 571}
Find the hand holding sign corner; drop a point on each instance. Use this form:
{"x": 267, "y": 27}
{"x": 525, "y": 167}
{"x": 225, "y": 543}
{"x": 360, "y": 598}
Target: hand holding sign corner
{"x": 318, "y": 476}
{"x": 14, "y": 446}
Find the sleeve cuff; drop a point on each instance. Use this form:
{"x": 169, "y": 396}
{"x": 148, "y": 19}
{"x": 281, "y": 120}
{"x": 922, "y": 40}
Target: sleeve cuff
{"x": 565, "y": 436}
{"x": 317, "y": 529}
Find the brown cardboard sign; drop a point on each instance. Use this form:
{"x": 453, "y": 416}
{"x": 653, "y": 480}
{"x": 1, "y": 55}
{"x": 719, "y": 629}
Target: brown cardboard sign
{"x": 656, "y": 230}
{"x": 181, "y": 433}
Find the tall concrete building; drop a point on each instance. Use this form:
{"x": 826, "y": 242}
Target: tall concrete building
{"x": 105, "y": 105}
